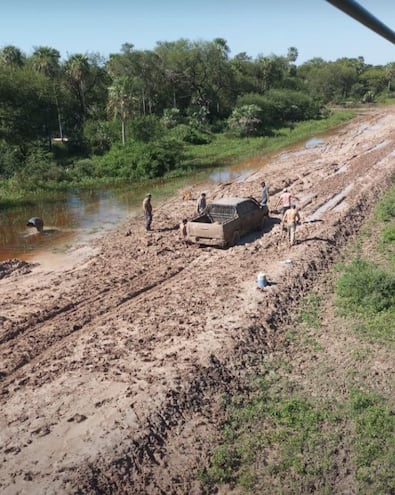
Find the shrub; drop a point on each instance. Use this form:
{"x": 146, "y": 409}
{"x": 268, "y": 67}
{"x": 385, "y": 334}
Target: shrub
{"x": 145, "y": 129}
{"x": 83, "y": 169}
{"x": 11, "y": 160}
{"x": 188, "y": 134}
{"x": 40, "y": 172}
{"x": 138, "y": 160}
{"x": 171, "y": 118}
{"x": 100, "y": 135}
{"x": 366, "y": 287}
{"x": 285, "y": 105}
{"x": 246, "y": 120}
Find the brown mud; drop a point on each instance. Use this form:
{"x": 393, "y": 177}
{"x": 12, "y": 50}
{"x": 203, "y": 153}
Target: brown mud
{"x": 113, "y": 368}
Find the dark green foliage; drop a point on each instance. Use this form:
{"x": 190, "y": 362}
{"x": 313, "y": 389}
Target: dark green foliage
{"x": 188, "y": 134}
{"x": 99, "y": 135}
{"x": 27, "y": 111}
{"x": 366, "y": 287}
{"x": 40, "y": 172}
{"x": 286, "y": 105}
{"x": 280, "y": 107}
{"x": 83, "y": 169}
{"x": 388, "y": 235}
{"x": 191, "y": 88}
{"x": 11, "y": 160}
{"x": 146, "y": 129}
{"x": 138, "y": 160}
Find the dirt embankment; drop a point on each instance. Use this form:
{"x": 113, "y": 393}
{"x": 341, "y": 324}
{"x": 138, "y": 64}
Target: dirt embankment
{"x": 112, "y": 371}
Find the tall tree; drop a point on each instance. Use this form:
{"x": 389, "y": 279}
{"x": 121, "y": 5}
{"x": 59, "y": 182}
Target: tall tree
{"x": 121, "y": 102}
{"x": 292, "y": 54}
{"x": 11, "y": 56}
{"x": 45, "y": 60}
{"x": 77, "y": 71}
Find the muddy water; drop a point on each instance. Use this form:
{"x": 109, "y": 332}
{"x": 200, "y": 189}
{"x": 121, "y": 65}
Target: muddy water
{"x": 82, "y": 215}
{"x": 68, "y": 219}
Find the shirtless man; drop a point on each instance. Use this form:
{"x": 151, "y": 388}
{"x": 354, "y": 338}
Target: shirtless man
{"x": 291, "y": 217}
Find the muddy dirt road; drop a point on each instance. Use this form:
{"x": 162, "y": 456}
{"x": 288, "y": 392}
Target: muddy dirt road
{"x": 112, "y": 368}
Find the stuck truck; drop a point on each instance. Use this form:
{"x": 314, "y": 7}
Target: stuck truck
{"x": 226, "y": 220}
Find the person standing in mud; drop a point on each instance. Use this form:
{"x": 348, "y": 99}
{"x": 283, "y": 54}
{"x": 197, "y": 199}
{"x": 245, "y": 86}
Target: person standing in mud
{"x": 183, "y": 231}
{"x": 291, "y": 218}
{"x": 285, "y": 199}
{"x": 265, "y": 194}
{"x": 201, "y": 204}
{"x": 147, "y": 207}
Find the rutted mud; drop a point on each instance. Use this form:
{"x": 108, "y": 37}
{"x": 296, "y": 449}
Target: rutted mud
{"x": 112, "y": 371}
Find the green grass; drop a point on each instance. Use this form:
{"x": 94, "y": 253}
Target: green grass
{"x": 310, "y": 312}
{"x": 227, "y": 150}
{"x": 283, "y": 427}
{"x": 374, "y": 445}
{"x": 295, "y": 435}
{"x": 366, "y": 287}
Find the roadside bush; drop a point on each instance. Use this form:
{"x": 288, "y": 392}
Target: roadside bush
{"x": 138, "y": 160}
{"x": 388, "y": 235}
{"x": 246, "y": 120}
{"x": 286, "y": 105}
{"x": 83, "y": 169}
{"x": 365, "y": 287}
{"x": 40, "y": 172}
{"x": 190, "y": 135}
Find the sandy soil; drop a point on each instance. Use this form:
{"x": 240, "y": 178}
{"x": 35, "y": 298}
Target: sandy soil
{"x": 112, "y": 369}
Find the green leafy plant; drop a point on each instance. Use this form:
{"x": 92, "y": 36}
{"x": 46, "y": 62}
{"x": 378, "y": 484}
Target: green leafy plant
{"x": 365, "y": 287}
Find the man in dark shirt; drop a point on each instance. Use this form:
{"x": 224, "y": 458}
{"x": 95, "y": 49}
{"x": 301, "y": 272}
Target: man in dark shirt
{"x": 147, "y": 207}
{"x": 201, "y": 204}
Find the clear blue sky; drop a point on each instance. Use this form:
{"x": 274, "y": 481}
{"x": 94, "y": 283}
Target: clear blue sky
{"x": 314, "y": 27}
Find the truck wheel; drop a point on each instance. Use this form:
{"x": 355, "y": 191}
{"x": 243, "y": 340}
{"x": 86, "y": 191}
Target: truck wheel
{"x": 263, "y": 223}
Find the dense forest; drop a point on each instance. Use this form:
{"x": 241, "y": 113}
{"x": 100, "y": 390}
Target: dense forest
{"x": 131, "y": 116}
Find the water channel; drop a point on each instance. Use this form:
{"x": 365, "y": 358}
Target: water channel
{"x": 79, "y": 216}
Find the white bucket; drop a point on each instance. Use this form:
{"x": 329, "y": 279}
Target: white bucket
{"x": 261, "y": 280}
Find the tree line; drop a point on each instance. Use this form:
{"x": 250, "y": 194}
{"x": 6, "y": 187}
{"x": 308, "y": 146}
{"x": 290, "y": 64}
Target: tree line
{"x": 131, "y": 115}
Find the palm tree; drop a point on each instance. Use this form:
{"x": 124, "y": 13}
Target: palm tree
{"x": 121, "y": 101}
{"x": 45, "y": 60}
{"x": 11, "y": 56}
{"x": 77, "y": 70}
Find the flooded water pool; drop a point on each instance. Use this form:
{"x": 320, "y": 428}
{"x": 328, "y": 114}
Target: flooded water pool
{"x": 83, "y": 215}
{"x": 68, "y": 219}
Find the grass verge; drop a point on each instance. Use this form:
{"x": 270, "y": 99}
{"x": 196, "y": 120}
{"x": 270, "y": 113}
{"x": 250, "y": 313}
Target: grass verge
{"x": 320, "y": 418}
